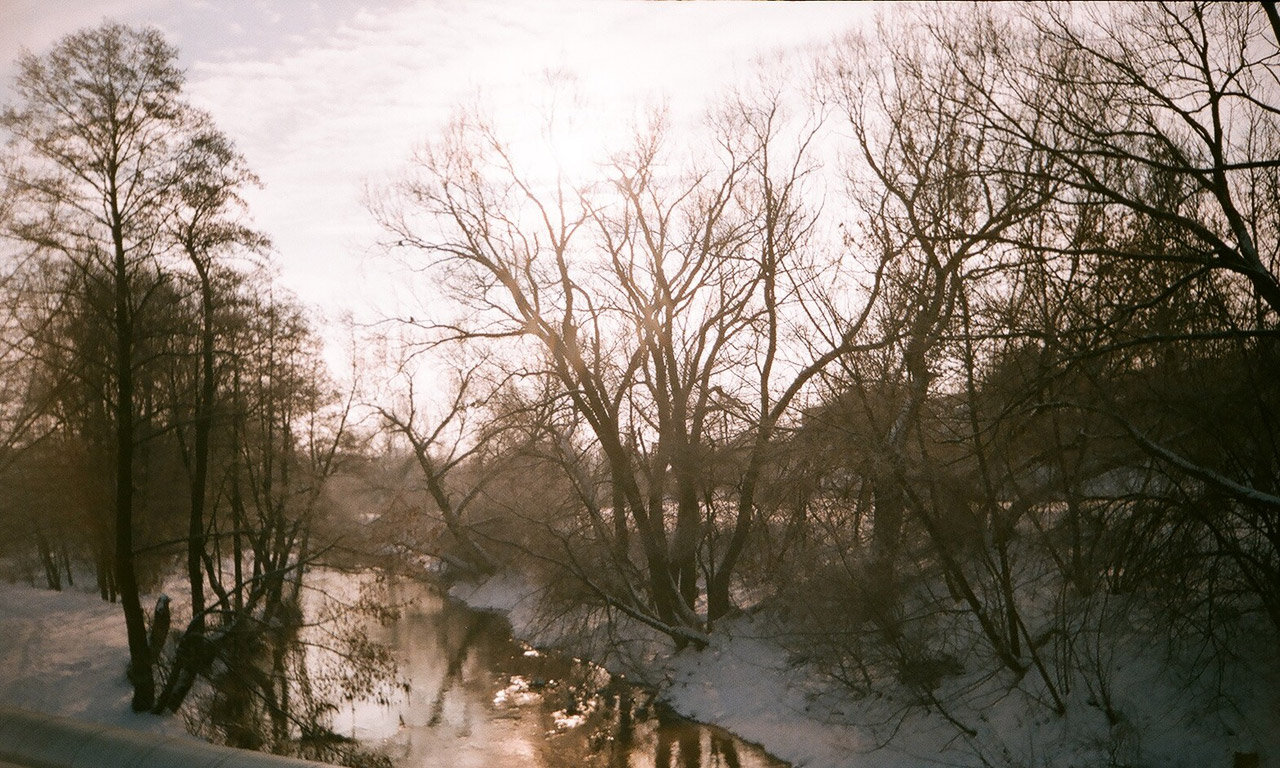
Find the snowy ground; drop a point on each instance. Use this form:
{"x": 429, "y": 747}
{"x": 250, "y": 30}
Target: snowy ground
{"x": 743, "y": 682}
{"x": 740, "y": 683}
{"x": 64, "y": 653}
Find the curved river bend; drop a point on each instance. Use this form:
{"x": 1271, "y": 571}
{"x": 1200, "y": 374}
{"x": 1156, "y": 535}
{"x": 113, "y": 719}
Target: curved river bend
{"x": 477, "y": 698}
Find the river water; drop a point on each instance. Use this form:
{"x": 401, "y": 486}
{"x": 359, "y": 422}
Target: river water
{"x": 470, "y": 696}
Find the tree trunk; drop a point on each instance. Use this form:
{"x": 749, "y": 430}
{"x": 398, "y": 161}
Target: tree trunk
{"x": 140, "y": 673}
{"x": 52, "y": 575}
{"x": 200, "y": 472}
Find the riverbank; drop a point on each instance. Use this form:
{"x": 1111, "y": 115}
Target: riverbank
{"x": 747, "y": 683}
{"x": 741, "y": 682}
{"x": 64, "y": 653}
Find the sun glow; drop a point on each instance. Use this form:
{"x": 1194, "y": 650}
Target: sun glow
{"x": 563, "y": 133}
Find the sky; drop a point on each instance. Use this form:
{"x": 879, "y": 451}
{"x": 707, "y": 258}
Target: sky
{"x": 328, "y": 98}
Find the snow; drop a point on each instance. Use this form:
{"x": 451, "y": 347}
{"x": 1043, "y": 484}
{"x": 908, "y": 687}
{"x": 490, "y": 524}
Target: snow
{"x": 742, "y": 683}
{"x": 506, "y": 592}
{"x": 64, "y": 653}
{"x": 745, "y": 682}
{"x": 518, "y": 693}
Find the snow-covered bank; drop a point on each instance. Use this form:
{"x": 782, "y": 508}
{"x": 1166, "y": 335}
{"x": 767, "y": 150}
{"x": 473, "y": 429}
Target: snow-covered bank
{"x": 747, "y": 683}
{"x": 64, "y": 653}
{"x": 740, "y": 683}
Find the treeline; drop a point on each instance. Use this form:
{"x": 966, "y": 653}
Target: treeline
{"x": 962, "y": 360}
{"x": 166, "y": 407}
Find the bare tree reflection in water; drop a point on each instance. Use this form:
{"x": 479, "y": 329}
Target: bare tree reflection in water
{"x": 276, "y": 688}
{"x": 476, "y": 626}
{"x": 689, "y": 738}
{"x": 479, "y": 698}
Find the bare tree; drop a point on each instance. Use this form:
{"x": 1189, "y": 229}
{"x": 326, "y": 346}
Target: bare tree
{"x": 98, "y": 117}
{"x": 941, "y": 193}
{"x": 444, "y": 448}
{"x": 1158, "y": 125}
{"x": 204, "y": 224}
{"x": 1074, "y": 404}
{"x": 667, "y": 314}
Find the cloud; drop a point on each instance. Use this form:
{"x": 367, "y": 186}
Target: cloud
{"x": 35, "y": 25}
{"x": 334, "y": 95}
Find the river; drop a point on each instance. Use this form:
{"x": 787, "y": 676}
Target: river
{"x": 469, "y": 695}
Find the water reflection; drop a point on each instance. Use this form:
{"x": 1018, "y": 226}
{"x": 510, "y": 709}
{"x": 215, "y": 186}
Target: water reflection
{"x": 478, "y": 698}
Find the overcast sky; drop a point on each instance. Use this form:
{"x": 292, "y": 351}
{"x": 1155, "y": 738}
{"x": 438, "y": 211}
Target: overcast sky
{"x": 326, "y": 96}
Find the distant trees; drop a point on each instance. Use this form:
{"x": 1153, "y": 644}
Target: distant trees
{"x": 446, "y": 447}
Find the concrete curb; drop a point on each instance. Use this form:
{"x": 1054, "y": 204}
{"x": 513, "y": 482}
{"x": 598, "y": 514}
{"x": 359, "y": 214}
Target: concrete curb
{"x": 34, "y": 740}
